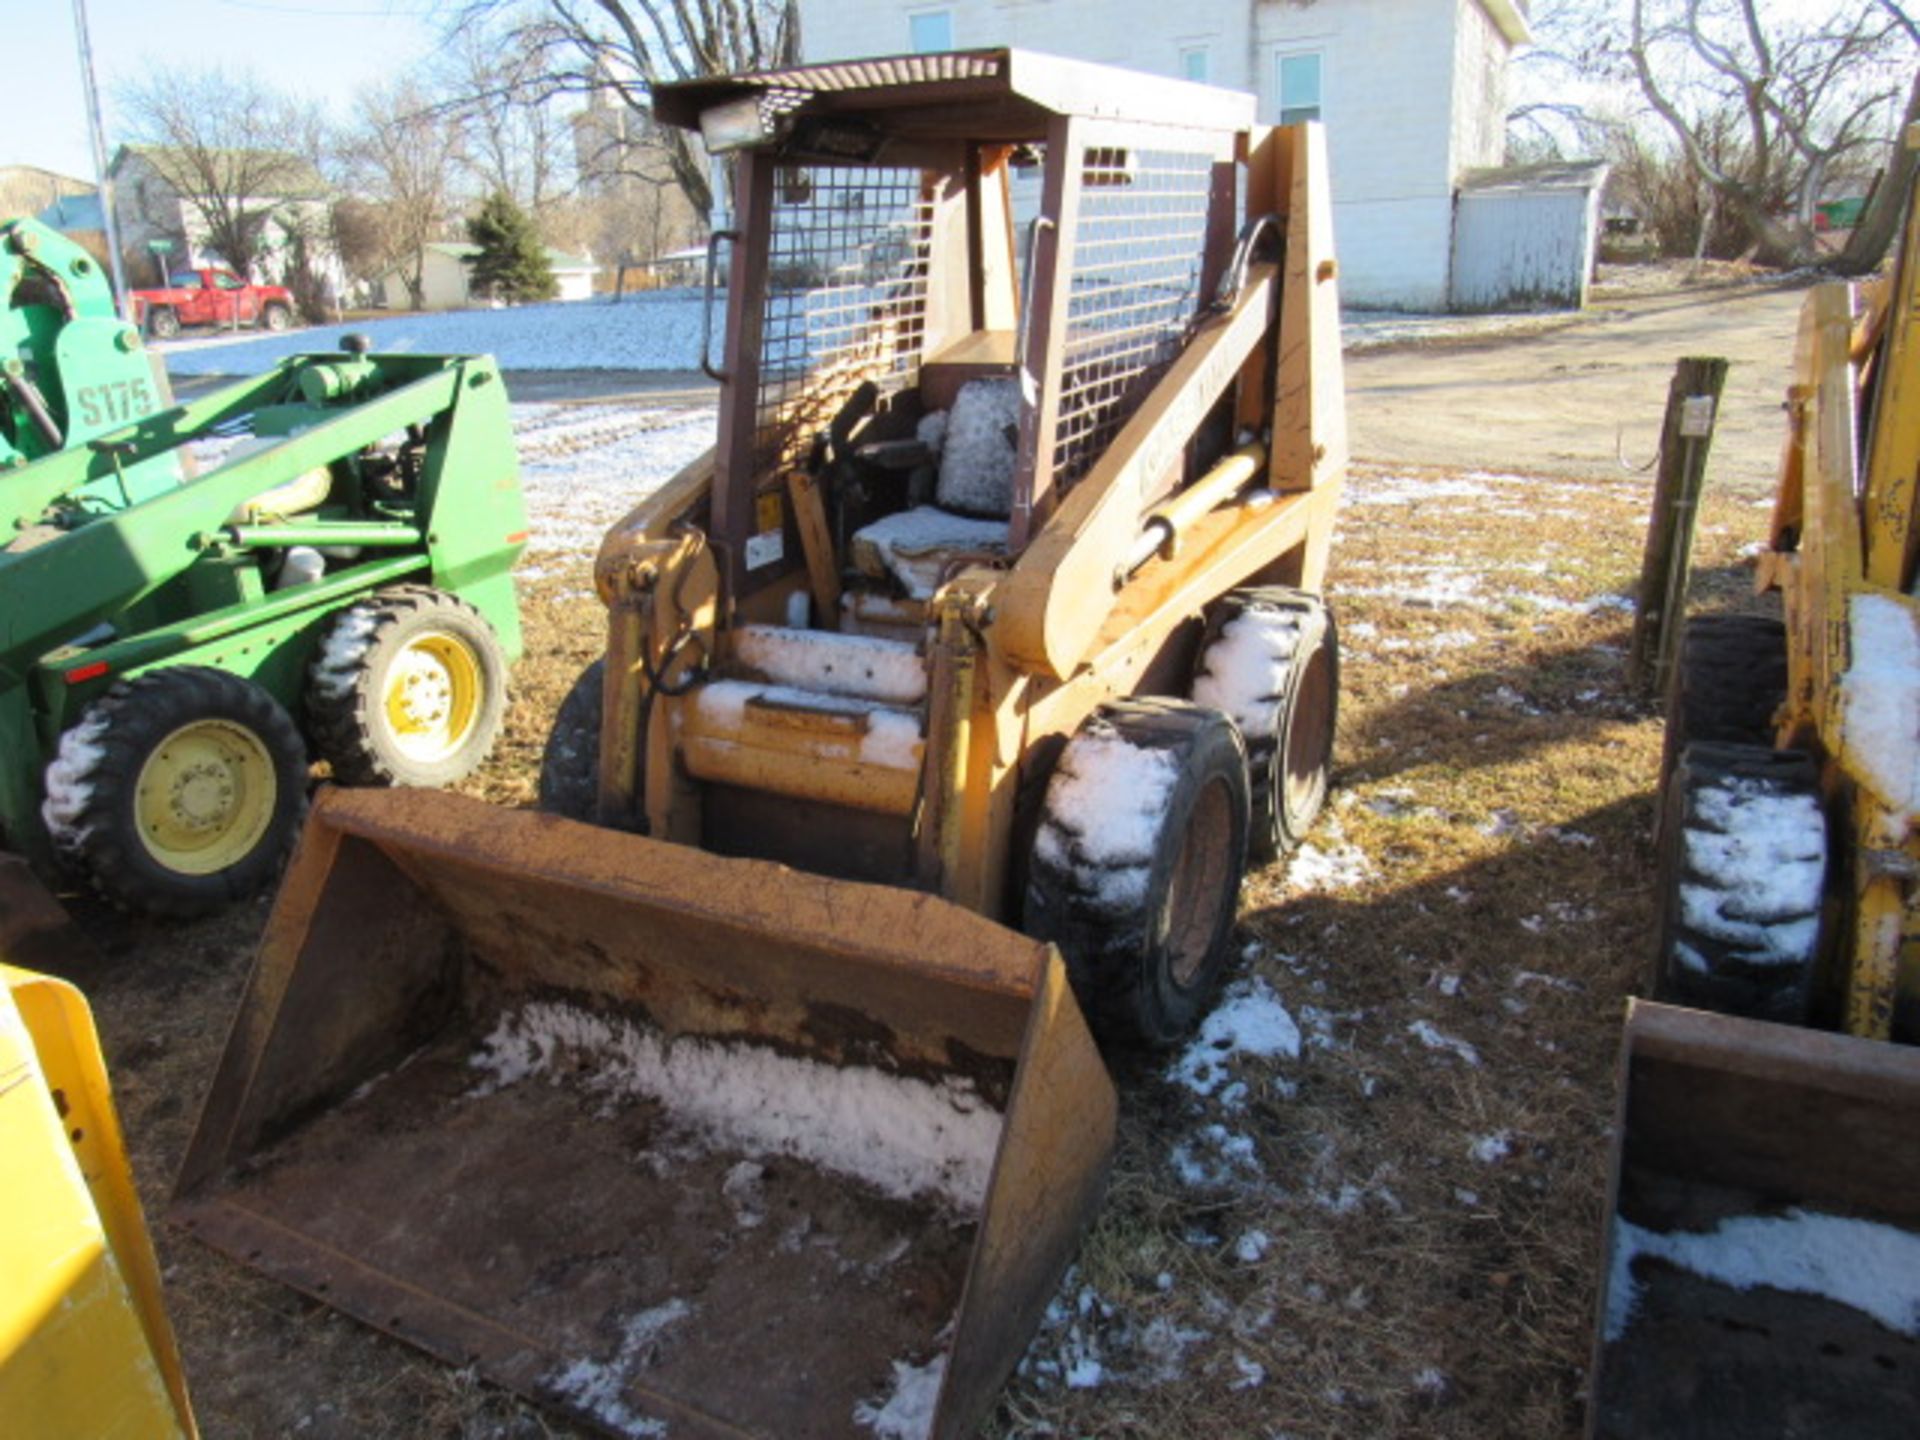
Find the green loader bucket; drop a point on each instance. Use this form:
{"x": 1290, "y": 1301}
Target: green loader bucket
{"x": 676, "y": 1144}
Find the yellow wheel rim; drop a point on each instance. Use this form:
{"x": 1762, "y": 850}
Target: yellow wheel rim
{"x": 205, "y": 797}
{"x": 432, "y": 700}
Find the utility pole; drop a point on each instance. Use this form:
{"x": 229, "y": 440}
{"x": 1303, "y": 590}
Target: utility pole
{"x": 98, "y": 133}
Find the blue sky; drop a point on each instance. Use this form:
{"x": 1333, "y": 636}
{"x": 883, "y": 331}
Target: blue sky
{"x": 324, "y": 49}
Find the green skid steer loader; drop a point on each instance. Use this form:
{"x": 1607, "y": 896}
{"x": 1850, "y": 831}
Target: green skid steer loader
{"x": 200, "y": 600}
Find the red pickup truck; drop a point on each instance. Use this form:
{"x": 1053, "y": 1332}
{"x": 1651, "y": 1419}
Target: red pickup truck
{"x": 211, "y": 296}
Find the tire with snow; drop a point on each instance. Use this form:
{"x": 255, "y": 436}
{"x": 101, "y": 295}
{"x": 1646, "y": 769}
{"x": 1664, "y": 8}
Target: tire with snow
{"x": 1729, "y": 678}
{"x": 570, "y": 766}
{"x": 408, "y": 687}
{"x": 1136, "y": 865}
{"x": 179, "y": 791}
{"x": 1271, "y": 661}
{"x": 1742, "y": 871}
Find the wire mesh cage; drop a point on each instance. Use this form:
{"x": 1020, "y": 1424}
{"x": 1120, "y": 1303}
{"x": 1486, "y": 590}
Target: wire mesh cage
{"x": 1135, "y": 289}
{"x": 846, "y": 297}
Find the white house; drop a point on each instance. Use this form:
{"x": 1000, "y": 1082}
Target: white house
{"x": 150, "y": 209}
{"x": 1412, "y": 92}
{"x": 445, "y": 278}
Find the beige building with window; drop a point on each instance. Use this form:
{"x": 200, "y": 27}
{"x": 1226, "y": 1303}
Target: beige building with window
{"x": 446, "y": 280}
{"x": 1412, "y": 92}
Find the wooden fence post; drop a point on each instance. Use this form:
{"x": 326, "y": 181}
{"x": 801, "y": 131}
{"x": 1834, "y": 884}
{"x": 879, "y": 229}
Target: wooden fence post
{"x": 1693, "y": 404}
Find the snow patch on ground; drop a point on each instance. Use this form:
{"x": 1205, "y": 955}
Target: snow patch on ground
{"x": 1439, "y": 640}
{"x": 583, "y": 467}
{"x": 1491, "y": 1149}
{"x": 658, "y": 330}
{"x": 1215, "y": 1158}
{"x": 1248, "y": 1021}
{"x": 1409, "y": 490}
{"x": 1086, "y": 1342}
{"x": 1870, "y": 1267}
{"x": 904, "y": 1136}
{"x": 1340, "y": 866}
{"x": 907, "y": 1412}
{"x": 1434, "y": 1039}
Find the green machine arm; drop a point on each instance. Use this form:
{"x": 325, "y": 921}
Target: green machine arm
{"x": 70, "y": 368}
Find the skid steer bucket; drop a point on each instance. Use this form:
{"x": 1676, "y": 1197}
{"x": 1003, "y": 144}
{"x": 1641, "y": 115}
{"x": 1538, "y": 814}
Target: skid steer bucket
{"x": 1763, "y": 1241}
{"x": 675, "y": 1143}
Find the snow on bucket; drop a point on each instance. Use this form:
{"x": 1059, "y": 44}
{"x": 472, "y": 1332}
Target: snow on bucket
{"x": 1762, "y": 1247}
{"x": 677, "y": 1144}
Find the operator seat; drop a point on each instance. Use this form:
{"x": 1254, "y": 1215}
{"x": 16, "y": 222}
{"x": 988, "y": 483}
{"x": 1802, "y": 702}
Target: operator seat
{"x": 973, "y": 496}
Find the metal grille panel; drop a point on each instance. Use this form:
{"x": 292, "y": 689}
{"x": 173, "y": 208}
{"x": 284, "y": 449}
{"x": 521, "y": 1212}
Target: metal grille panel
{"x": 846, "y": 298}
{"x": 1136, "y": 287}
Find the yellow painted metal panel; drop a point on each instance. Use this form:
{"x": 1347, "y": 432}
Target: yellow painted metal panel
{"x": 85, "y": 1349}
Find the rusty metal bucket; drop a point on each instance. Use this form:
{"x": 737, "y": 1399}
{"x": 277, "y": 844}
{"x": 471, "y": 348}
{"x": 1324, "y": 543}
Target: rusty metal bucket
{"x": 654, "y": 1137}
{"x": 1730, "y": 1134}
{"x": 36, "y": 933}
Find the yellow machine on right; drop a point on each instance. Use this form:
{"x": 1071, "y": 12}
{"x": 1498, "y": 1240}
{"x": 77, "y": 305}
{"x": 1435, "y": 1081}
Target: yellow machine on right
{"x": 1762, "y": 1253}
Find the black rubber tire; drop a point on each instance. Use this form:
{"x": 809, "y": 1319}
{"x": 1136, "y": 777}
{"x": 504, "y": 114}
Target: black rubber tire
{"x": 346, "y": 716}
{"x": 1146, "y": 933}
{"x": 98, "y": 828}
{"x": 1719, "y": 947}
{"x": 1290, "y": 743}
{"x": 163, "y": 322}
{"x": 276, "y": 317}
{"x": 1729, "y": 678}
{"x": 570, "y": 765}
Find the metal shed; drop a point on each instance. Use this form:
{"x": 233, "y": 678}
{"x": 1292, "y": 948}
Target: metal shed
{"x": 1524, "y": 236}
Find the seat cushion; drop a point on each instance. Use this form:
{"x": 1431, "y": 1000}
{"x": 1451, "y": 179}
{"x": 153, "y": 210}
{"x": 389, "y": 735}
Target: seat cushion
{"x": 978, "y": 450}
{"x": 915, "y": 546}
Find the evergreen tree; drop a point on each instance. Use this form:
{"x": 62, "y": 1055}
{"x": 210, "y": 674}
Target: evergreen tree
{"x": 512, "y": 264}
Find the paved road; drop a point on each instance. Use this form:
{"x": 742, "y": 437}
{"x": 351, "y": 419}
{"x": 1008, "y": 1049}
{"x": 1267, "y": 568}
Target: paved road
{"x": 1561, "y": 402}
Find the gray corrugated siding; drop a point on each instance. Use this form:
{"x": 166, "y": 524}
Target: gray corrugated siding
{"x": 1523, "y": 249}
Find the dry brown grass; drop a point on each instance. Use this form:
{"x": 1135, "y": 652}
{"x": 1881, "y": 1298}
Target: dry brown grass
{"x": 1495, "y": 773}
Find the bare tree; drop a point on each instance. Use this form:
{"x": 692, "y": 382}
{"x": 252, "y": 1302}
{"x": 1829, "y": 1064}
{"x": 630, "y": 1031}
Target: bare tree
{"x": 1873, "y": 233}
{"x": 1576, "y": 43}
{"x": 1797, "y": 96}
{"x": 402, "y": 153}
{"x": 496, "y": 82}
{"x": 622, "y": 48}
{"x": 357, "y": 236}
{"x": 240, "y": 156}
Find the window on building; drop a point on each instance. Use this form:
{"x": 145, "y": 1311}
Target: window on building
{"x": 930, "y": 30}
{"x": 1193, "y": 63}
{"x": 1299, "y": 86}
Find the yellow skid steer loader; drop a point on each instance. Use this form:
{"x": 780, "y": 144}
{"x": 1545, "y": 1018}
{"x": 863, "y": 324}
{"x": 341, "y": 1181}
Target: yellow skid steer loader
{"x": 1762, "y": 1271}
{"x": 749, "y": 1092}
